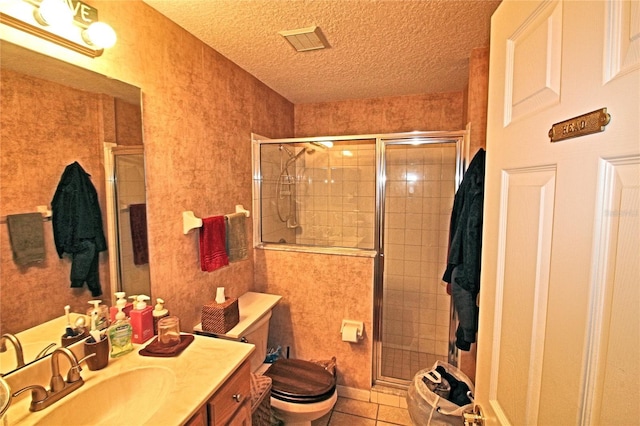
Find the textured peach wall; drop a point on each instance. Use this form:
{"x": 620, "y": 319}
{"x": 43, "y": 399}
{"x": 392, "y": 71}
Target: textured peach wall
{"x": 437, "y": 111}
{"x": 319, "y": 291}
{"x": 128, "y": 127}
{"x": 477, "y": 98}
{"x": 199, "y": 110}
{"x": 44, "y": 128}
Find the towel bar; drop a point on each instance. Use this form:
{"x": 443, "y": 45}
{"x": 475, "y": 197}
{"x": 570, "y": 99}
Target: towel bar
{"x": 190, "y": 221}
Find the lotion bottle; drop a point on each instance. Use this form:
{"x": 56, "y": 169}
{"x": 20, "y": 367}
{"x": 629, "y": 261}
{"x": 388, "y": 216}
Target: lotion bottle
{"x": 142, "y": 320}
{"x": 159, "y": 312}
{"x": 120, "y": 335}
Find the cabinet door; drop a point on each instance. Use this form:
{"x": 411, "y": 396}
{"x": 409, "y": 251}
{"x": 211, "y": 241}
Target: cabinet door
{"x": 198, "y": 419}
{"x": 230, "y": 400}
{"x": 242, "y": 417}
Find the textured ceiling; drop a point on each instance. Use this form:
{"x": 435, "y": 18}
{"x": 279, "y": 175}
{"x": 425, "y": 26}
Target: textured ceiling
{"x": 378, "y": 47}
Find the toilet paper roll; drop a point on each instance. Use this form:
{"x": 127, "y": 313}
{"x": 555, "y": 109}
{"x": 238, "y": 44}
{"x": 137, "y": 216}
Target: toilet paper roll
{"x": 350, "y": 333}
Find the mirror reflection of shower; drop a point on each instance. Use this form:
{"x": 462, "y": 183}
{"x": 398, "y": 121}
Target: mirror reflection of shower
{"x": 287, "y": 188}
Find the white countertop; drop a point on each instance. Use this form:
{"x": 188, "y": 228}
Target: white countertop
{"x": 199, "y": 371}
{"x": 251, "y": 307}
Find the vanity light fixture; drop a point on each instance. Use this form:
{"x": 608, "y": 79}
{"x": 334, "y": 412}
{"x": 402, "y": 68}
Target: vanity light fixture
{"x": 54, "y": 13}
{"x": 100, "y": 35}
{"x": 69, "y": 23}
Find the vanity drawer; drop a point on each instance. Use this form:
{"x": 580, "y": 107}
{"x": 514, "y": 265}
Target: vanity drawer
{"x": 233, "y": 395}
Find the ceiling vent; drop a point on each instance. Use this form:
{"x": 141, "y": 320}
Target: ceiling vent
{"x": 304, "y": 39}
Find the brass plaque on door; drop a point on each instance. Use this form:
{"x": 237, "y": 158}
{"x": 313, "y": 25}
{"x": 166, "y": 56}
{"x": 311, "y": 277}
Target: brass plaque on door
{"x": 586, "y": 124}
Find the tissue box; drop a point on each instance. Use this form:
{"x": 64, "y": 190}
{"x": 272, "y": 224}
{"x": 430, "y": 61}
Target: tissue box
{"x": 220, "y": 317}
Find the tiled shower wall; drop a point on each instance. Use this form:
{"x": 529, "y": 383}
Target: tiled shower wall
{"x": 418, "y": 202}
{"x": 337, "y": 193}
{"x": 273, "y": 229}
{"x": 333, "y": 195}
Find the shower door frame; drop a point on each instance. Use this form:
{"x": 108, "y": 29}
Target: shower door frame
{"x": 461, "y": 140}
{"x": 111, "y": 152}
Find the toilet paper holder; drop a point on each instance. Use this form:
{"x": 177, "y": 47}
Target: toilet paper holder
{"x": 350, "y": 323}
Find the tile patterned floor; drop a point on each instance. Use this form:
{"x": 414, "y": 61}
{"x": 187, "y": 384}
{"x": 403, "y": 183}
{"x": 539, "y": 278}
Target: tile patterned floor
{"x": 350, "y": 412}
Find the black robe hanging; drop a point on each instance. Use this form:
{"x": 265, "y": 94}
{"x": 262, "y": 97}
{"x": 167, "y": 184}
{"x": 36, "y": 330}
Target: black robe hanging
{"x": 465, "y": 247}
{"x": 77, "y": 226}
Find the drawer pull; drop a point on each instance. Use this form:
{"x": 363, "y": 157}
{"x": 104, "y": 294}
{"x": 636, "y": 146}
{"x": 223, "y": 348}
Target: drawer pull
{"x": 237, "y": 397}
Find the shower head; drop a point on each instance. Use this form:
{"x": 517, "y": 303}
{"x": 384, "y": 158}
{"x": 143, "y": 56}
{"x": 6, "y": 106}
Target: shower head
{"x": 323, "y": 145}
{"x": 287, "y": 150}
{"x": 302, "y": 151}
{"x": 293, "y": 157}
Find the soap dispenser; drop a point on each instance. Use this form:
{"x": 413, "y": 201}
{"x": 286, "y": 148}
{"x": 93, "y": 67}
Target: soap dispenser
{"x": 121, "y": 301}
{"x": 141, "y": 320}
{"x": 101, "y": 316}
{"x": 120, "y": 334}
{"x": 159, "y": 312}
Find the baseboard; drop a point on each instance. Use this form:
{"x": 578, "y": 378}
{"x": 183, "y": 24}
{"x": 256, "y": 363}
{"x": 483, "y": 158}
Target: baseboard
{"x": 378, "y": 395}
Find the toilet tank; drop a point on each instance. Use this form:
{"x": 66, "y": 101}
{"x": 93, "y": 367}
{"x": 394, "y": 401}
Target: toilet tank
{"x": 253, "y": 326}
{"x": 257, "y": 334}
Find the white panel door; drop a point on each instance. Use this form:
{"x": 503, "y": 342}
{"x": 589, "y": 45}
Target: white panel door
{"x": 559, "y": 331}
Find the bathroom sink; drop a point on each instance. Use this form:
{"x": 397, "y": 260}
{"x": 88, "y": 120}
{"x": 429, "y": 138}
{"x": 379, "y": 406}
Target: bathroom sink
{"x": 131, "y": 397}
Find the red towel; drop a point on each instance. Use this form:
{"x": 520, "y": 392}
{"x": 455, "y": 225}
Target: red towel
{"x": 213, "y": 253}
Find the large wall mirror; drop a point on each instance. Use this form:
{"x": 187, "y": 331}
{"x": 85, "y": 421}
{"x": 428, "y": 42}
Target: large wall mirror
{"x": 55, "y": 114}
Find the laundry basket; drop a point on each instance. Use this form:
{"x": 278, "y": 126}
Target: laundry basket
{"x": 260, "y": 400}
{"x": 429, "y": 407}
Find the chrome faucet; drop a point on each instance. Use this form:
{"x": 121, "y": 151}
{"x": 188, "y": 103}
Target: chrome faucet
{"x": 58, "y": 387}
{"x": 16, "y": 344}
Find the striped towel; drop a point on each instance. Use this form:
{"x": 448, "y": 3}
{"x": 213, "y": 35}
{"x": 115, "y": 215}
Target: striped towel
{"x": 213, "y": 253}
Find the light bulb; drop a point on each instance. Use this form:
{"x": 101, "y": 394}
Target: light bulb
{"x": 100, "y": 35}
{"x": 54, "y": 13}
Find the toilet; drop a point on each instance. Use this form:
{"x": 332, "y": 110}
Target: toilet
{"x": 301, "y": 391}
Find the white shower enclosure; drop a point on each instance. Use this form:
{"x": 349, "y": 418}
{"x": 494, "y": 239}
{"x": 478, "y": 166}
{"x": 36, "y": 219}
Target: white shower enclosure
{"x": 386, "y": 195}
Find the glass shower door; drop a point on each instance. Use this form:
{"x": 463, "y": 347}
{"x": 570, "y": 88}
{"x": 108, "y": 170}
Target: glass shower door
{"x": 130, "y": 207}
{"x": 416, "y": 191}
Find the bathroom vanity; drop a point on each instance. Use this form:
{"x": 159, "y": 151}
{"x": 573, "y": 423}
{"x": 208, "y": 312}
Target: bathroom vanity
{"x": 207, "y": 384}
{"x": 230, "y": 405}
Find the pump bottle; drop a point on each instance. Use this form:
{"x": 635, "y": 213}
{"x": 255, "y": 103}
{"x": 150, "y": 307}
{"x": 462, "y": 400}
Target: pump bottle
{"x": 120, "y": 335}
{"x": 159, "y": 312}
{"x": 142, "y": 320}
{"x": 121, "y": 300}
{"x": 101, "y": 316}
